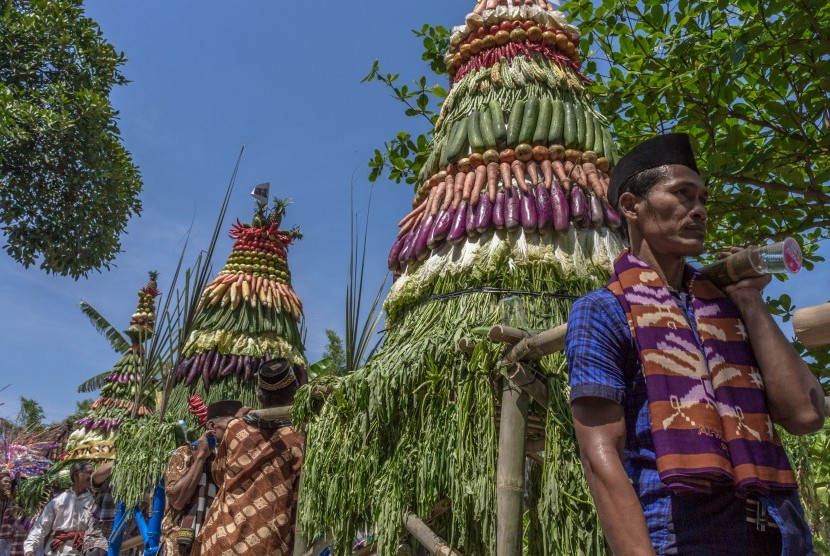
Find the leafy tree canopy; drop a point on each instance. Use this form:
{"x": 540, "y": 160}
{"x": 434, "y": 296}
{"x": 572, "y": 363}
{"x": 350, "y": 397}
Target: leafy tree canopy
{"x": 30, "y": 416}
{"x": 67, "y": 184}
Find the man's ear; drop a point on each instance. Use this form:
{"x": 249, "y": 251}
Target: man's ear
{"x": 627, "y": 203}
{"x": 210, "y": 426}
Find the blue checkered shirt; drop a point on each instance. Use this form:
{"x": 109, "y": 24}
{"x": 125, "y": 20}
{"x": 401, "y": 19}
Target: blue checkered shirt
{"x": 603, "y": 362}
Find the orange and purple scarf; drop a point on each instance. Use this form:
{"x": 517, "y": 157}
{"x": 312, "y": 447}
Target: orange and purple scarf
{"x": 709, "y": 420}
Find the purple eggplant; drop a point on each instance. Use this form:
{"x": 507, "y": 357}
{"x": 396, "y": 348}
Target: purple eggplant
{"x": 472, "y": 213}
{"x": 216, "y": 365}
{"x": 226, "y": 367}
{"x": 499, "y": 208}
{"x": 249, "y": 367}
{"x": 512, "y": 219}
{"x": 559, "y": 208}
{"x": 543, "y": 212}
{"x": 419, "y": 248}
{"x": 441, "y": 228}
{"x": 527, "y": 212}
{"x": 596, "y": 211}
{"x": 579, "y": 206}
{"x": 458, "y": 230}
{"x": 484, "y": 216}
{"x": 392, "y": 261}
{"x": 403, "y": 256}
{"x": 612, "y": 217}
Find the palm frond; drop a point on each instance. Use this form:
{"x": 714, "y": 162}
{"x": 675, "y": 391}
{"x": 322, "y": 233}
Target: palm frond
{"x": 116, "y": 339}
{"x": 93, "y": 383}
{"x": 359, "y": 330}
{"x": 179, "y": 320}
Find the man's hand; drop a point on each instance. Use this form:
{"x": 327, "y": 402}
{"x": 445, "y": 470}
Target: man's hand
{"x": 747, "y": 290}
{"x": 202, "y": 448}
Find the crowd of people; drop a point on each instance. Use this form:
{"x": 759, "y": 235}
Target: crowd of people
{"x": 232, "y": 491}
{"x": 675, "y": 387}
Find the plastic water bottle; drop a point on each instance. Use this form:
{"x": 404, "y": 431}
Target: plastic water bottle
{"x": 784, "y": 256}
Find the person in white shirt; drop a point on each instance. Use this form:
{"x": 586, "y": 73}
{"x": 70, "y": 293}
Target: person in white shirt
{"x": 62, "y": 525}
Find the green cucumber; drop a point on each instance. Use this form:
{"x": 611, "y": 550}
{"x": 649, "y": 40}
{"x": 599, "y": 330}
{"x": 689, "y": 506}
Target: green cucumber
{"x": 589, "y": 131}
{"x": 597, "y": 147}
{"x": 497, "y": 119}
{"x": 474, "y": 131}
{"x": 540, "y": 136}
{"x": 570, "y": 125}
{"x": 557, "y": 123}
{"x": 458, "y": 140}
{"x": 608, "y": 146}
{"x": 580, "y": 125}
{"x": 442, "y": 159}
{"x": 514, "y": 123}
{"x": 529, "y": 119}
{"x": 487, "y": 134}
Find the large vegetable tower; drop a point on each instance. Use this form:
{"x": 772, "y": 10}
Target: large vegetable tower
{"x": 95, "y": 432}
{"x": 247, "y": 315}
{"x": 511, "y": 208}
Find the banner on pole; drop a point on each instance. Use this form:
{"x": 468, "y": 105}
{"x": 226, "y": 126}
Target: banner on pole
{"x": 260, "y": 192}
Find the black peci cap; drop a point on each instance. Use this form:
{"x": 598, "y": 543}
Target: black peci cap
{"x": 224, "y": 408}
{"x": 673, "y": 148}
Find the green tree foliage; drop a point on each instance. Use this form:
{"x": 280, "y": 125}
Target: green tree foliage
{"x": 67, "y": 184}
{"x": 30, "y": 416}
{"x": 82, "y": 408}
{"x": 334, "y": 351}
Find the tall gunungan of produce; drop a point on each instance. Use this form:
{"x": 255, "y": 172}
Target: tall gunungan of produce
{"x": 511, "y": 205}
{"x": 95, "y": 432}
{"x": 247, "y": 315}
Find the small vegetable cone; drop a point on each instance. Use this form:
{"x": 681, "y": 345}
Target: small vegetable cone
{"x": 247, "y": 314}
{"x": 95, "y": 432}
{"x": 509, "y": 225}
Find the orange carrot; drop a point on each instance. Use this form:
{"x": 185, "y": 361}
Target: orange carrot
{"x": 518, "y": 168}
{"x": 561, "y": 174}
{"x": 506, "y": 178}
{"x": 469, "y": 181}
{"x": 547, "y": 172}
{"x": 480, "y": 180}
{"x": 592, "y": 176}
{"x": 533, "y": 170}
{"x": 492, "y": 180}
{"x": 436, "y": 196}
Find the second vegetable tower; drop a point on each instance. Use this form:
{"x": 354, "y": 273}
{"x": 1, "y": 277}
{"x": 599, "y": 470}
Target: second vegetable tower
{"x": 509, "y": 225}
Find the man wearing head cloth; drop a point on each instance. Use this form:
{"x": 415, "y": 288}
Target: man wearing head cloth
{"x": 188, "y": 482}
{"x": 65, "y": 521}
{"x": 257, "y": 469}
{"x": 675, "y": 384}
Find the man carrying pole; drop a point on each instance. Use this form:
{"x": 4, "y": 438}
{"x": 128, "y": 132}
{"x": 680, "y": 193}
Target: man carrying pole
{"x": 675, "y": 384}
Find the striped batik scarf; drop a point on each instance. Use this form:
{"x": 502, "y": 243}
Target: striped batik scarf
{"x": 709, "y": 420}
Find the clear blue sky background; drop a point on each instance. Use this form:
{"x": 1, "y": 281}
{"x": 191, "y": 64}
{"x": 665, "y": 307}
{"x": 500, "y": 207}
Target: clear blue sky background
{"x": 207, "y": 78}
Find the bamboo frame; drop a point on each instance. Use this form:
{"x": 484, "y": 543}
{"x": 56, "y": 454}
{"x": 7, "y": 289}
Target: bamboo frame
{"x": 812, "y": 325}
{"x": 426, "y": 536}
{"x": 510, "y": 470}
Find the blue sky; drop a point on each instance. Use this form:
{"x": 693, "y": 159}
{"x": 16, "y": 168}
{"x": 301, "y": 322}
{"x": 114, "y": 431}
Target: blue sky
{"x": 207, "y": 78}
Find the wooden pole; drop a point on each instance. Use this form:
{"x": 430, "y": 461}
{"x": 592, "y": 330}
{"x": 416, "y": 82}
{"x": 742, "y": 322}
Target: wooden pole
{"x": 510, "y": 470}
{"x": 507, "y": 334}
{"x": 812, "y": 325}
{"x": 527, "y": 381}
{"x": 426, "y": 536}
{"x": 536, "y": 347}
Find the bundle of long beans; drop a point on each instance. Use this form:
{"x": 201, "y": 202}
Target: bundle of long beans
{"x": 143, "y": 449}
{"x": 512, "y": 204}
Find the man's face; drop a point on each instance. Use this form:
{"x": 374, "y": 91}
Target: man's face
{"x": 672, "y": 217}
{"x": 83, "y": 478}
{"x": 218, "y": 426}
{"x": 5, "y": 485}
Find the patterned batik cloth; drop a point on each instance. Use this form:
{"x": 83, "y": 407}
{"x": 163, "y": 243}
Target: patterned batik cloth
{"x": 180, "y": 462}
{"x": 257, "y": 470}
{"x": 13, "y": 532}
{"x": 709, "y": 419}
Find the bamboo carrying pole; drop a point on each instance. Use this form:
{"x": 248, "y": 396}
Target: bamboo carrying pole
{"x": 510, "y": 470}
{"x": 812, "y": 325}
{"x": 536, "y": 347}
{"x": 426, "y": 536}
